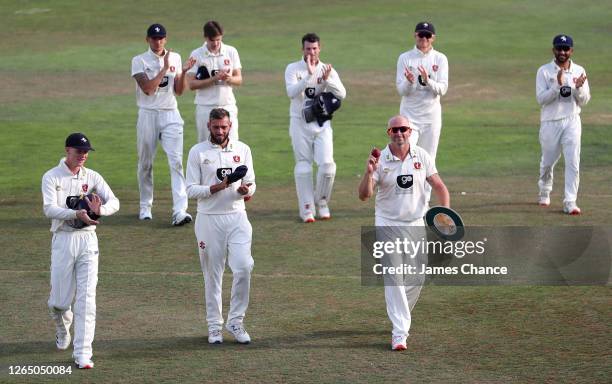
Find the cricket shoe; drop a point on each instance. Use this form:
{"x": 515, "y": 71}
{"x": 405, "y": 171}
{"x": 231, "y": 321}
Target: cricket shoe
{"x": 215, "y": 336}
{"x": 240, "y": 334}
{"x": 309, "y": 218}
{"x": 571, "y": 208}
{"x": 544, "y": 199}
{"x": 62, "y": 339}
{"x": 145, "y": 214}
{"x": 398, "y": 343}
{"x": 324, "y": 213}
{"x": 62, "y": 320}
{"x": 83, "y": 363}
{"x": 181, "y": 218}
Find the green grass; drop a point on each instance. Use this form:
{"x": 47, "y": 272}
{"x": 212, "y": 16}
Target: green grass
{"x": 65, "y": 68}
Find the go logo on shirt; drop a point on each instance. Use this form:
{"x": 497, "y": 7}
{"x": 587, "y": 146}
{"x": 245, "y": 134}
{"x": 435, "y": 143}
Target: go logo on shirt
{"x": 404, "y": 181}
{"x": 222, "y": 173}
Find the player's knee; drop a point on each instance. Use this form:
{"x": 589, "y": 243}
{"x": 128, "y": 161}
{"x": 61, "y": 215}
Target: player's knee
{"x": 328, "y": 169}
{"x": 244, "y": 269}
{"x": 303, "y": 167}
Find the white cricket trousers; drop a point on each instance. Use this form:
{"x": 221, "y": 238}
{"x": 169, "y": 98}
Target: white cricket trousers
{"x": 220, "y": 238}
{"x": 202, "y": 115}
{"x": 312, "y": 143}
{"x": 427, "y": 136}
{"x": 402, "y": 293}
{"x": 165, "y": 126}
{"x": 556, "y": 136}
{"x": 74, "y": 270}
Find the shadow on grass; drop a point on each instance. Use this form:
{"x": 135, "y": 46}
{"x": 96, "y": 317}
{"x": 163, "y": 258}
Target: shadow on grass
{"x": 340, "y": 339}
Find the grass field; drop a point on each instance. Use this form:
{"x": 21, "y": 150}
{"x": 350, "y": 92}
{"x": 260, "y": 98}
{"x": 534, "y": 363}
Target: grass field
{"x": 65, "y": 68}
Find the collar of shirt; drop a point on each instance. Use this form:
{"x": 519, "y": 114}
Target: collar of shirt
{"x": 228, "y": 148}
{"x": 389, "y": 156}
{"x": 209, "y": 53}
{"x": 67, "y": 170}
{"x": 557, "y": 67}
{"x": 423, "y": 54}
{"x": 155, "y": 55}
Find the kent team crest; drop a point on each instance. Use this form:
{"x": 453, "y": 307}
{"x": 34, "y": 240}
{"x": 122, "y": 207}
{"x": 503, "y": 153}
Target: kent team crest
{"x": 236, "y": 159}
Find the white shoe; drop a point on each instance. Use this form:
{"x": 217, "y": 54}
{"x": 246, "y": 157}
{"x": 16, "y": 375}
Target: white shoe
{"x": 544, "y": 199}
{"x": 215, "y": 336}
{"x": 309, "y": 218}
{"x": 62, "y": 339}
{"x": 145, "y": 214}
{"x": 240, "y": 334}
{"x": 398, "y": 343}
{"x": 571, "y": 208}
{"x": 181, "y": 218}
{"x": 83, "y": 363}
{"x": 324, "y": 213}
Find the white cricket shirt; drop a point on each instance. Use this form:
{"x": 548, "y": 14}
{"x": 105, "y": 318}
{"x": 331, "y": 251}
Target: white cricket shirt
{"x": 150, "y": 64}
{"x": 421, "y": 103}
{"x": 301, "y": 85}
{"x": 59, "y": 183}
{"x": 400, "y": 194}
{"x": 207, "y": 165}
{"x": 557, "y": 105}
{"x": 226, "y": 59}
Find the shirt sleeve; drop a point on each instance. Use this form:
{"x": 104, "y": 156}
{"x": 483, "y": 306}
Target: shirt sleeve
{"x": 137, "y": 66}
{"x": 430, "y": 164}
{"x": 583, "y": 94}
{"x": 250, "y": 176}
{"x": 294, "y": 86}
{"x": 440, "y": 86}
{"x": 111, "y": 203}
{"x": 193, "y": 70}
{"x": 195, "y": 189}
{"x": 404, "y": 88}
{"x": 50, "y": 206}
{"x": 335, "y": 86}
{"x": 236, "y": 59}
{"x": 546, "y": 94}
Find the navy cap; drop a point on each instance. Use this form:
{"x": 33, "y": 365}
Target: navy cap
{"x": 425, "y": 26}
{"x": 563, "y": 40}
{"x": 156, "y": 30}
{"x": 78, "y": 141}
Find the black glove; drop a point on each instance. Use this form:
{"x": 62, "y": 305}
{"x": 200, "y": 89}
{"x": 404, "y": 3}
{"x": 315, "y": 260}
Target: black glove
{"x": 77, "y": 203}
{"x": 202, "y": 73}
{"x": 238, "y": 174}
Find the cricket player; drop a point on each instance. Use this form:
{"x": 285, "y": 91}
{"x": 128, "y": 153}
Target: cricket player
{"x": 305, "y": 79}
{"x": 222, "y": 228}
{"x": 400, "y": 175}
{"x": 421, "y": 79}
{"x": 74, "y": 248}
{"x": 159, "y": 76}
{"x": 562, "y": 89}
{"x": 216, "y": 72}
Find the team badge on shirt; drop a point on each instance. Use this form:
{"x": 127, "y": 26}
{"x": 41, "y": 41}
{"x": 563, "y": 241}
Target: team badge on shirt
{"x": 435, "y": 68}
{"x": 202, "y": 245}
{"x": 226, "y": 62}
{"x": 236, "y": 159}
{"x": 85, "y": 187}
{"x": 417, "y": 165}
{"x": 172, "y": 68}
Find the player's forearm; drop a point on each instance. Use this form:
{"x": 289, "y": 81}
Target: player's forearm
{"x": 150, "y": 86}
{"x": 438, "y": 87}
{"x": 198, "y": 191}
{"x": 441, "y": 192}
{"x": 200, "y": 84}
{"x": 366, "y": 187}
{"x": 180, "y": 84}
{"x": 404, "y": 87}
{"x": 58, "y": 213}
{"x": 294, "y": 89}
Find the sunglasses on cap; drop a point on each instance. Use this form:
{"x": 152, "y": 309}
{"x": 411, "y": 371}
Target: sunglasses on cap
{"x": 424, "y": 35}
{"x": 563, "y": 48}
{"x": 399, "y": 129}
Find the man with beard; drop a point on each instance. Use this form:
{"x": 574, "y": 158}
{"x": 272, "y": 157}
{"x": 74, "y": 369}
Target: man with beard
{"x": 222, "y": 228}
{"x": 561, "y": 90}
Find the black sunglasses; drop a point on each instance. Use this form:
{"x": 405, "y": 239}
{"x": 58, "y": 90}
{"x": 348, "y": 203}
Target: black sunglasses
{"x": 426, "y": 35}
{"x": 399, "y": 129}
{"x": 563, "y": 48}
